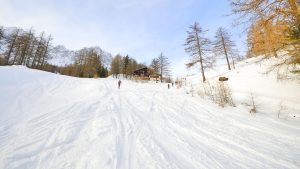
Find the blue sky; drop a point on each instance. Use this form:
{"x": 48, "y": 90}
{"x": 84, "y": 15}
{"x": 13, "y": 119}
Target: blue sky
{"x": 141, "y": 29}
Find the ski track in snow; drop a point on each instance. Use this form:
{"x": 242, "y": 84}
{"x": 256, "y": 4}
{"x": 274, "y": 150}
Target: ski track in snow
{"x": 62, "y": 122}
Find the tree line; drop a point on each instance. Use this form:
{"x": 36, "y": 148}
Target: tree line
{"x": 204, "y": 51}
{"x": 124, "y": 65}
{"x": 20, "y": 47}
{"x": 88, "y": 62}
{"x": 25, "y": 47}
{"x": 272, "y": 26}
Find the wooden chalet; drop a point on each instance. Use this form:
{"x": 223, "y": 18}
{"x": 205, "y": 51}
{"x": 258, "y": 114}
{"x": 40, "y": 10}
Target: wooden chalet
{"x": 143, "y": 72}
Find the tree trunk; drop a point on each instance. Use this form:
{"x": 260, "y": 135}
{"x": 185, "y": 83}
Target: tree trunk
{"x": 200, "y": 57}
{"x": 16, "y": 55}
{"x": 161, "y": 75}
{"x": 29, "y": 55}
{"x": 202, "y": 69}
{"x": 8, "y": 54}
{"x": 34, "y": 58}
{"x": 37, "y": 52}
{"x": 233, "y": 63}
{"x": 11, "y": 47}
{"x": 225, "y": 51}
{"x": 26, "y": 49}
{"x": 45, "y": 52}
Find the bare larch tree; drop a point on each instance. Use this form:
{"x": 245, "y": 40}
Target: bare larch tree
{"x": 164, "y": 66}
{"x": 198, "y": 47}
{"x": 223, "y": 45}
{"x": 155, "y": 65}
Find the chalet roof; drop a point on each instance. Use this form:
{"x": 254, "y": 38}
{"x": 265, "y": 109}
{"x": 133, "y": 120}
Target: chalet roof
{"x": 141, "y": 68}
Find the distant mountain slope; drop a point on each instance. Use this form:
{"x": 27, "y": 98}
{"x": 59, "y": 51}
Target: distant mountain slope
{"x": 61, "y": 56}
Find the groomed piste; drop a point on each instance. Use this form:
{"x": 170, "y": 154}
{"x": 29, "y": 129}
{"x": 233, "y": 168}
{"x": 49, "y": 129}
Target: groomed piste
{"x": 53, "y": 121}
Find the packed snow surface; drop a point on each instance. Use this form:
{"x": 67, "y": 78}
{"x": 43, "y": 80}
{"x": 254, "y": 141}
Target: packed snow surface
{"x": 55, "y": 121}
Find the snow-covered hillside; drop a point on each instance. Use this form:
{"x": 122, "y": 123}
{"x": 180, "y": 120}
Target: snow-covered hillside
{"x": 273, "y": 91}
{"x": 54, "y": 121}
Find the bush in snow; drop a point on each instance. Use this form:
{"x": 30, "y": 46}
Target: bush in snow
{"x": 218, "y": 92}
{"x": 209, "y": 90}
{"x": 224, "y": 94}
{"x": 252, "y": 104}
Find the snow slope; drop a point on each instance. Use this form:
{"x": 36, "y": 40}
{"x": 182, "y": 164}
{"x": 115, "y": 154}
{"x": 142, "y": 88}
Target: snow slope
{"x": 54, "y": 121}
{"x": 271, "y": 91}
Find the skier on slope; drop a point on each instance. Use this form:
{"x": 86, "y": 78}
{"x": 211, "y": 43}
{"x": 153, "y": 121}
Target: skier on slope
{"x": 119, "y": 84}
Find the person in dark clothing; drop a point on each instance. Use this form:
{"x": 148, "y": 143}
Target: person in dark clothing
{"x": 168, "y": 86}
{"x": 119, "y": 84}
